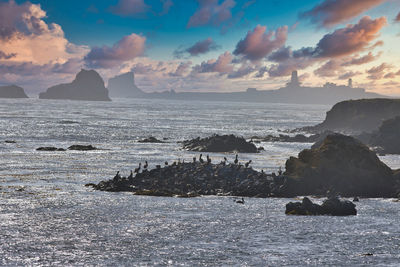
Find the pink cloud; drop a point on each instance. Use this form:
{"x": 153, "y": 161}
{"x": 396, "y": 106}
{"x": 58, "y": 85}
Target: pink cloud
{"x": 349, "y": 75}
{"x": 258, "y": 43}
{"x": 332, "y": 12}
{"x": 129, "y": 7}
{"x": 378, "y": 72}
{"x": 397, "y": 19}
{"x": 353, "y": 38}
{"x": 362, "y": 60}
{"x": 211, "y": 12}
{"x": 329, "y": 69}
{"x": 126, "y": 49}
{"x": 222, "y": 65}
{"x": 200, "y": 47}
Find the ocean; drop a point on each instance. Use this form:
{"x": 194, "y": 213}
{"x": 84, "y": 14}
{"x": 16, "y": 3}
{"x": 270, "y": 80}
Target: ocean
{"x": 48, "y": 216}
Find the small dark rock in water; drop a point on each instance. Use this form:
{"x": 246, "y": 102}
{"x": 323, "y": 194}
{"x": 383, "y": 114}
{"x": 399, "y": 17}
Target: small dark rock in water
{"x": 50, "y": 148}
{"x": 10, "y": 142}
{"x": 82, "y": 147}
{"x": 299, "y": 138}
{"x": 356, "y": 199}
{"x": 220, "y": 143}
{"x": 331, "y": 206}
{"x": 151, "y": 139}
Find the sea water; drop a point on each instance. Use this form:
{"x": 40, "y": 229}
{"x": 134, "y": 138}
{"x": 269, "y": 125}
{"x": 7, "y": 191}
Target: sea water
{"x": 48, "y": 216}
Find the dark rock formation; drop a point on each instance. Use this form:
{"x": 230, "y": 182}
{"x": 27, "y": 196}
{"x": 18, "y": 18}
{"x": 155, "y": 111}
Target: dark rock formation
{"x": 387, "y": 138}
{"x": 356, "y": 116}
{"x": 298, "y": 138}
{"x": 193, "y": 179}
{"x": 49, "y": 148}
{"x": 331, "y": 206}
{"x": 220, "y": 143}
{"x": 340, "y": 164}
{"x": 82, "y": 147}
{"x": 150, "y": 139}
{"x": 88, "y": 85}
{"x": 12, "y": 91}
{"x": 10, "y": 142}
{"x": 124, "y": 86}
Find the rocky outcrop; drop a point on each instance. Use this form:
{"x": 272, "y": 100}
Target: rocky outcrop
{"x": 331, "y": 206}
{"x": 387, "y": 138}
{"x": 193, "y": 179}
{"x": 298, "y": 138}
{"x": 150, "y": 139}
{"x": 339, "y": 164}
{"x": 220, "y": 143}
{"x": 49, "y": 148}
{"x": 124, "y": 86}
{"x": 356, "y": 116}
{"x": 82, "y": 147}
{"x": 88, "y": 85}
{"x": 12, "y": 91}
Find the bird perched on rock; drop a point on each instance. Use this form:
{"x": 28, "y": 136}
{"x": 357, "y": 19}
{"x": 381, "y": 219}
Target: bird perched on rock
{"x": 194, "y": 159}
{"x": 166, "y": 163}
{"x": 247, "y": 164}
{"x": 241, "y": 201}
{"x": 130, "y": 177}
{"x": 236, "y": 159}
{"x": 138, "y": 168}
{"x": 208, "y": 159}
{"x": 200, "y": 159}
{"x": 145, "y": 165}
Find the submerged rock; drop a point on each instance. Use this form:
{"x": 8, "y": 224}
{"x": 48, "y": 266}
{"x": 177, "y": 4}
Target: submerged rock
{"x": 82, "y": 147}
{"x": 50, "y": 148}
{"x": 331, "y": 206}
{"x": 220, "y": 143}
{"x": 150, "y": 139}
{"x": 339, "y": 164}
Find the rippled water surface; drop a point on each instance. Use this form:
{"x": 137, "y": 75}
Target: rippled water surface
{"x": 48, "y": 217}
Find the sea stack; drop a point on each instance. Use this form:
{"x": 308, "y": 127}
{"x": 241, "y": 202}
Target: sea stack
{"x": 88, "y": 85}
{"x": 12, "y": 91}
{"x": 123, "y": 86}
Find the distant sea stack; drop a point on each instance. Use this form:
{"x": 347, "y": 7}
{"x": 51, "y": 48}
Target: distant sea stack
{"x": 88, "y": 85}
{"x": 12, "y": 91}
{"x": 124, "y": 86}
{"x": 357, "y": 116}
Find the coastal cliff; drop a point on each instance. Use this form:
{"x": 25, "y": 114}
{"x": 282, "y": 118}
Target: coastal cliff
{"x": 12, "y": 91}
{"x": 88, "y": 85}
{"x": 357, "y": 116}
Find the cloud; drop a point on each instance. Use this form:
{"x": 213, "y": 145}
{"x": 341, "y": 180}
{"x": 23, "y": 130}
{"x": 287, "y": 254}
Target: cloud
{"x": 258, "y": 43}
{"x": 126, "y": 49}
{"x": 26, "y": 37}
{"x": 242, "y": 71}
{"x": 281, "y": 54}
{"x": 378, "y": 72}
{"x": 362, "y": 60}
{"x": 332, "y": 12}
{"x": 348, "y": 75}
{"x": 129, "y": 8}
{"x": 221, "y": 65}
{"x": 329, "y": 69}
{"x": 211, "y": 12}
{"x": 182, "y": 69}
{"x": 166, "y": 6}
{"x": 351, "y": 39}
{"x": 201, "y": 47}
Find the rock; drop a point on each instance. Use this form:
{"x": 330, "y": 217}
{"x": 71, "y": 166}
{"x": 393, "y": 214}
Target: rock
{"x": 331, "y": 206}
{"x": 357, "y": 116}
{"x": 88, "y": 85}
{"x": 12, "y": 91}
{"x": 193, "y": 179}
{"x": 299, "y": 138}
{"x": 82, "y": 147}
{"x": 220, "y": 143}
{"x": 387, "y": 138}
{"x": 50, "y": 148}
{"x": 10, "y": 142}
{"x": 150, "y": 139}
{"x": 124, "y": 86}
{"x": 340, "y": 164}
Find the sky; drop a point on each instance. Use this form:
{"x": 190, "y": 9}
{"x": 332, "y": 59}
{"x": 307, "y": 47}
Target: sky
{"x": 202, "y": 45}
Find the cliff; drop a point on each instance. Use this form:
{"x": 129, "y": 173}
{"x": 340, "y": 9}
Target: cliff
{"x": 12, "y": 91}
{"x": 356, "y": 116}
{"x": 88, "y": 85}
{"x": 124, "y": 86}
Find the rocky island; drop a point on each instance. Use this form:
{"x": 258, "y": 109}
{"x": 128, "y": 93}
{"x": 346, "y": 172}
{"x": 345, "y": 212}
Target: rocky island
{"x": 123, "y": 86}
{"x": 88, "y": 85}
{"x": 12, "y": 91}
{"x": 338, "y": 165}
{"x": 220, "y": 143}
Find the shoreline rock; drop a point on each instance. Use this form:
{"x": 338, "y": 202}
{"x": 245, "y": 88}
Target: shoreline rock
{"x": 150, "y": 139}
{"x": 331, "y": 206}
{"x": 49, "y": 148}
{"x": 82, "y": 147}
{"x": 220, "y": 143}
